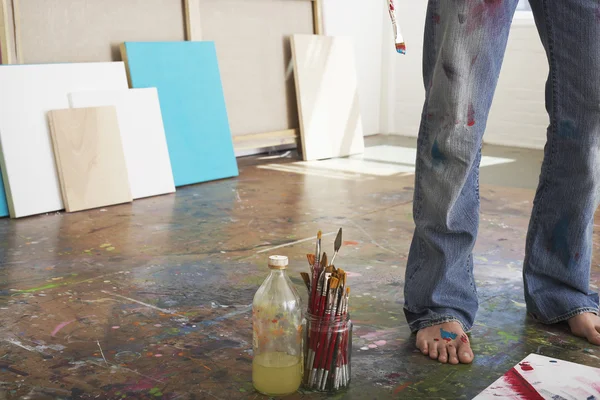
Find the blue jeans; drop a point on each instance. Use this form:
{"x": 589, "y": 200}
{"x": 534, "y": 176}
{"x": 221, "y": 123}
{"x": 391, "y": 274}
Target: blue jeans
{"x": 464, "y": 48}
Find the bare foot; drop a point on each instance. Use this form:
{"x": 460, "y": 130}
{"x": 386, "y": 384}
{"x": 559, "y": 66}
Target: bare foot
{"x": 587, "y": 326}
{"x": 446, "y": 343}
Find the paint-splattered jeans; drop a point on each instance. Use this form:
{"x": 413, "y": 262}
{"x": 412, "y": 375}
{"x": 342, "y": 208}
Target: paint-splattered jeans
{"x": 464, "y": 47}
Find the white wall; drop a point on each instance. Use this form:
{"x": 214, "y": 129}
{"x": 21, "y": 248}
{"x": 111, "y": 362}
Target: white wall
{"x": 518, "y": 116}
{"x": 361, "y": 20}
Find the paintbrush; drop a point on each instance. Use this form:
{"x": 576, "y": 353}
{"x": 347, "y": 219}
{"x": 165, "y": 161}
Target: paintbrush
{"x": 318, "y": 247}
{"x": 337, "y": 245}
{"x": 306, "y": 279}
{"x": 330, "y": 314}
{"x": 322, "y": 290}
{"x": 322, "y": 348}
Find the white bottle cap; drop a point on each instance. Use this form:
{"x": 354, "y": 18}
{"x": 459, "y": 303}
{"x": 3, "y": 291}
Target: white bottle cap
{"x": 278, "y": 262}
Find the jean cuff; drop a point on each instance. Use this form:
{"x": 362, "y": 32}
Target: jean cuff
{"x": 569, "y": 315}
{"x": 438, "y": 321}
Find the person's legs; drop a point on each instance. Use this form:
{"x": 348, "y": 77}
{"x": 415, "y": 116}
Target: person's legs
{"x": 557, "y": 264}
{"x": 464, "y": 47}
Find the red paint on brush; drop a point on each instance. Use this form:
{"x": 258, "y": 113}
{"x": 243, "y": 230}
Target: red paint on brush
{"x": 471, "y": 115}
{"x": 525, "y": 366}
{"x": 520, "y": 386}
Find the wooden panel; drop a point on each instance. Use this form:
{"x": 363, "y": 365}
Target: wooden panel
{"x": 193, "y": 24}
{"x": 92, "y": 30}
{"x": 252, "y": 40}
{"x": 28, "y": 93}
{"x": 187, "y": 77}
{"x": 328, "y": 104}
{"x": 89, "y": 157}
{"x": 142, "y": 134}
{"x": 7, "y": 46}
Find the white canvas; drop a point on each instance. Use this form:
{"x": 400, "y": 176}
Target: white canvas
{"x": 327, "y": 92}
{"x": 27, "y": 93}
{"x": 547, "y": 378}
{"x": 143, "y": 136}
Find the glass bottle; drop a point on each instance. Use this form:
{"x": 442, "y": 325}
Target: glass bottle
{"x": 277, "y": 321}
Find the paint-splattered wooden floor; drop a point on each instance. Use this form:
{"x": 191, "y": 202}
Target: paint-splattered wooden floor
{"x": 151, "y": 300}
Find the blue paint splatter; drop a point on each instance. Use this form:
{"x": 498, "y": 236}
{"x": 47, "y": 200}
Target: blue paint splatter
{"x": 436, "y": 153}
{"x": 447, "y": 335}
{"x": 567, "y": 129}
{"x": 553, "y": 361}
{"x": 591, "y": 398}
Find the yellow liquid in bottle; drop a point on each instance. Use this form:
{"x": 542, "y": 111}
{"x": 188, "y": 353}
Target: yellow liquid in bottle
{"x": 276, "y": 374}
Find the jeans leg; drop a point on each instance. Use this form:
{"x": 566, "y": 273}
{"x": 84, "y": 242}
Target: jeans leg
{"x": 557, "y": 263}
{"x": 464, "y": 48}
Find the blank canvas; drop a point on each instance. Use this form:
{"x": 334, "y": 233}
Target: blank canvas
{"x": 142, "y": 134}
{"x": 327, "y": 93}
{"x": 27, "y": 93}
{"x": 187, "y": 77}
{"x": 89, "y": 157}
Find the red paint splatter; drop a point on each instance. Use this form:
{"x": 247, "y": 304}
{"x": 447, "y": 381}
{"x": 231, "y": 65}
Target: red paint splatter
{"x": 447, "y": 339}
{"x": 525, "y": 366}
{"x": 577, "y": 257}
{"x": 350, "y": 243}
{"x": 464, "y": 338}
{"x": 402, "y": 387}
{"x": 436, "y": 18}
{"x": 436, "y": 340}
{"x": 274, "y": 321}
{"x": 521, "y": 386}
{"x": 471, "y": 115}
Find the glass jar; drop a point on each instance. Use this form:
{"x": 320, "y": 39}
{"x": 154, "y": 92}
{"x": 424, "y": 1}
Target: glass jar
{"x": 328, "y": 352}
{"x": 277, "y": 333}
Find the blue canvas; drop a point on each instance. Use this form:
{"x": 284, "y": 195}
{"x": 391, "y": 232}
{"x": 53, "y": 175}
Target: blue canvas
{"x": 3, "y": 203}
{"x": 187, "y": 77}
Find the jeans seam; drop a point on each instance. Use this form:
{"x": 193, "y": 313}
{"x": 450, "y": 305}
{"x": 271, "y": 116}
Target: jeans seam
{"x": 553, "y": 121}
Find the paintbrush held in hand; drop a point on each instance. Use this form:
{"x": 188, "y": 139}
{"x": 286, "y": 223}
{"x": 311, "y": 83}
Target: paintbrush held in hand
{"x": 329, "y": 342}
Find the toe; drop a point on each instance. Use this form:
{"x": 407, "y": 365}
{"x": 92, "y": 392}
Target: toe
{"x": 452, "y": 356}
{"x": 433, "y": 351}
{"x": 465, "y": 354}
{"x": 422, "y": 345}
{"x": 593, "y": 336}
{"x": 443, "y": 358}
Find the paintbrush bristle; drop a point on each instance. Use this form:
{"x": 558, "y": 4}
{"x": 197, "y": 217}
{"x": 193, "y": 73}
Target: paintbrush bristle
{"x": 338, "y": 241}
{"x": 334, "y": 283}
{"x": 319, "y": 234}
{"x": 306, "y": 279}
{"x": 311, "y": 259}
{"x": 324, "y": 260}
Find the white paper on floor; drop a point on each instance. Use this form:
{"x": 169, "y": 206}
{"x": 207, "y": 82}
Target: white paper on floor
{"x": 540, "y": 377}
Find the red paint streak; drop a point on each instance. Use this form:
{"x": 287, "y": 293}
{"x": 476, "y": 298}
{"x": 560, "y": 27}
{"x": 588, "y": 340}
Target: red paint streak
{"x": 447, "y": 339}
{"x": 525, "y": 366}
{"x": 596, "y": 387}
{"x": 521, "y": 386}
{"x": 436, "y": 340}
{"x": 402, "y": 387}
{"x": 350, "y": 243}
{"x": 464, "y": 338}
{"x": 471, "y": 115}
{"x": 436, "y": 18}
{"x": 274, "y": 321}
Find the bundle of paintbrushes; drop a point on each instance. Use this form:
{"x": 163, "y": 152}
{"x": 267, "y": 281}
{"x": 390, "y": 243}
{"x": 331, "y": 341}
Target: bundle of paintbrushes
{"x": 329, "y": 330}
